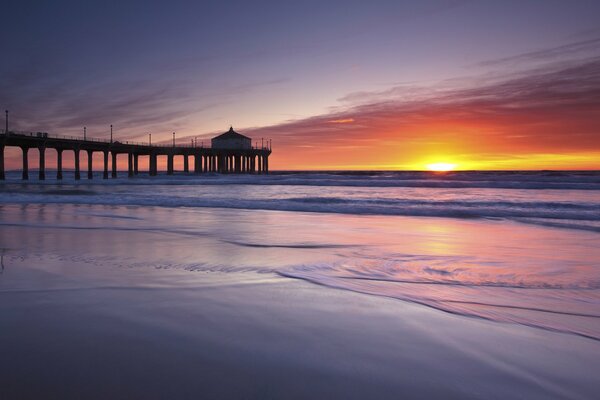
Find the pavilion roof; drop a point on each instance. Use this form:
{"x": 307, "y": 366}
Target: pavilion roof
{"x": 231, "y": 134}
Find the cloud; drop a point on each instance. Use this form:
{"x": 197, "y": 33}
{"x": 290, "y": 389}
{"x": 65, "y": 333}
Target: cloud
{"x": 341, "y": 121}
{"x": 50, "y": 97}
{"x": 541, "y": 114}
{"x": 550, "y": 110}
{"x": 567, "y": 51}
{"x": 46, "y": 100}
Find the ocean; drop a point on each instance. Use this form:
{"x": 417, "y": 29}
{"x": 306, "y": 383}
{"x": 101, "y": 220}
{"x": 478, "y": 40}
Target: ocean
{"x": 562, "y": 199}
{"x": 511, "y": 247}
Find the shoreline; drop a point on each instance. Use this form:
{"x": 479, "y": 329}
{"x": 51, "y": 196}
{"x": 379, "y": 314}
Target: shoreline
{"x": 124, "y": 308}
{"x": 308, "y": 333}
{"x": 271, "y": 336}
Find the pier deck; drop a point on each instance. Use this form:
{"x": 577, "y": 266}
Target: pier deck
{"x": 254, "y": 160}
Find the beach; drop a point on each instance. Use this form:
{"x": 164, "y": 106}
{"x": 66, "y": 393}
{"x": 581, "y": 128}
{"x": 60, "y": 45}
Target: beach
{"x": 300, "y": 200}
{"x": 173, "y": 301}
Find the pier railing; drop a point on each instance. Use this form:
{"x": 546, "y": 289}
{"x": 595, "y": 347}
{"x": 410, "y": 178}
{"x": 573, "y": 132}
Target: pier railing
{"x": 205, "y": 159}
{"x": 45, "y": 135}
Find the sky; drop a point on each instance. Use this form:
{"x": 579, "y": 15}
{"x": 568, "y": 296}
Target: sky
{"x": 334, "y": 84}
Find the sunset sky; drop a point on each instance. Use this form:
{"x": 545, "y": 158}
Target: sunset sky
{"x": 334, "y": 84}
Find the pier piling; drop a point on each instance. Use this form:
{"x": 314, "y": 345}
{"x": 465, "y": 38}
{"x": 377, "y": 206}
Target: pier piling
{"x": 77, "y": 169}
{"x": 114, "y": 164}
{"x": 225, "y": 160}
{"x": 2, "y": 176}
{"x": 105, "y": 172}
{"x": 25, "y": 175}
{"x": 59, "y": 174}
{"x": 170, "y": 164}
{"x": 42, "y": 166}
{"x": 90, "y": 172}
{"x": 130, "y": 164}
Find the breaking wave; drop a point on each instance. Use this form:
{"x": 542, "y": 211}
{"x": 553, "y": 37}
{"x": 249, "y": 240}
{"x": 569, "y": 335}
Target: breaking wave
{"x": 555, "y": 199}
{"x": 559, "y": 180}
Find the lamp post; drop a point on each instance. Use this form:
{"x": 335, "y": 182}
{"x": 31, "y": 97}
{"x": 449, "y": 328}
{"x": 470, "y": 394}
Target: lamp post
{"x": 111, "y": 133}
{"x": 84, "y": 133}
{"x": 173, "y": 139}
{"x": 6, "y": 128}
{"x": 262, "y": 143}
{"x": 149, "y": 139}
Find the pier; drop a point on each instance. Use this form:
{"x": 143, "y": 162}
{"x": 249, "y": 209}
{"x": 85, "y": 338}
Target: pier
{"x": 229, "y": 153}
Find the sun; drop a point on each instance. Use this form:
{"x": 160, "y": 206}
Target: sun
{"x": 441, "y": 166}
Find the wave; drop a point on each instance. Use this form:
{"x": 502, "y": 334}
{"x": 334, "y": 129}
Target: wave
{"x": 583, "y": 216}
{"x": 526, "y": 197}
{"x": 567, "y": 307}
{"x": 288, "y": 246}
{"x": 70, "y": 192}
{"x": 558, "y": 180}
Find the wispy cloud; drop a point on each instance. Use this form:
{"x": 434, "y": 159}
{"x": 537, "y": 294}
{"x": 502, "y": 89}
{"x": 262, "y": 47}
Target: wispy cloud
{"x": 549, "y": 109}
{"x": 566, "y": 51}
{"x": 41, "y": 101}
{"x": 544, "y": 110}
{"x": 341, "y": 121}
{"x": 44, "y": 96}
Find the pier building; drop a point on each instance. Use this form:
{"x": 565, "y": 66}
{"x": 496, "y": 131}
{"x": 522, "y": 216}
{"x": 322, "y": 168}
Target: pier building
{"x": 229, "y": 153}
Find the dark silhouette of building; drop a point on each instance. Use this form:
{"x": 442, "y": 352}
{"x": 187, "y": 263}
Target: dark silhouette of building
{"x": 230, "y": 152}
{"x": 231, "y": 140}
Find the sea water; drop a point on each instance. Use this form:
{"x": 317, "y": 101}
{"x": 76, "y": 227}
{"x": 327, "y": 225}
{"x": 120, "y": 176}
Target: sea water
{"x": 512, "y": 247}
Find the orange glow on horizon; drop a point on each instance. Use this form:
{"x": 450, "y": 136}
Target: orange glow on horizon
{"x": 441, "y": 166}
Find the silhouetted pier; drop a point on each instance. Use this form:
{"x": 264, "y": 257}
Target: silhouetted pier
{"x": 225, "y": 156}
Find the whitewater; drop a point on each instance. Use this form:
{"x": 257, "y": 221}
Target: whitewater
{"x": 562, "y": 199}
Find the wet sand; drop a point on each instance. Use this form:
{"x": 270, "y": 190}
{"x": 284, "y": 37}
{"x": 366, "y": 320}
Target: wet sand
{"x": 94, "y": 305}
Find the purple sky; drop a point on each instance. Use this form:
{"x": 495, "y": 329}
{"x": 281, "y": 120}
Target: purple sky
{"x": 197, "y": 67}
